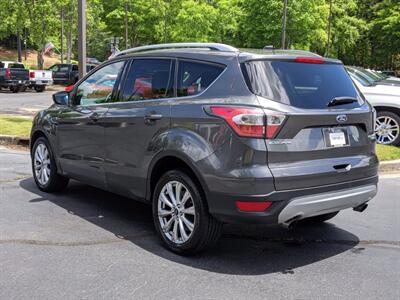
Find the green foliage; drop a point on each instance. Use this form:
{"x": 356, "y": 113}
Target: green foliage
{"x": 363, "y": 32}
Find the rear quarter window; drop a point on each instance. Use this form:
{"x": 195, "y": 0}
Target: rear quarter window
{"x": 302, "y": 85}
{"x": 195, "y": 77}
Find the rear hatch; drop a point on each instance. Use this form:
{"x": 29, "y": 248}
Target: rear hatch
{"x": 319, "y": 127}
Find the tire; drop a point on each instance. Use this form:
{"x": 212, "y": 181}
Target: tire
{"x": 319, "y": 219}
{"x": 23, "y": 88}
{"x": 40, "y": 88}
{"x": 205, "y": 229}
{"x": 47, "y": 165}
{"x": 387, "y": 122}
{"x": 14, "y": 89}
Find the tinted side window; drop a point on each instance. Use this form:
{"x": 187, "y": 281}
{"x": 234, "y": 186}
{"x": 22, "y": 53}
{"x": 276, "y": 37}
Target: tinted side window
{"x": 63, "y": 68}
{"x": 98, "y": 87}
{"x": 75, "y": 68}
{"x": 195, "y": 77}
{"x": 149, "y": 79}
{"x": 54, "y": 68}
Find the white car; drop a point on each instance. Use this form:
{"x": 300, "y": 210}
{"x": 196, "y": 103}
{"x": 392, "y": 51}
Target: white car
{"x": 386, "y": 100}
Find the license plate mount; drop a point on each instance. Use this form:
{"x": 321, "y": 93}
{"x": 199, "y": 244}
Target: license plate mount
{"x": 336, "y": 137}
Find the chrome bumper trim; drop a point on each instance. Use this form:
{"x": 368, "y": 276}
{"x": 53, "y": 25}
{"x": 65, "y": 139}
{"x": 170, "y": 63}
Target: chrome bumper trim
{"x": 319, "y": 204}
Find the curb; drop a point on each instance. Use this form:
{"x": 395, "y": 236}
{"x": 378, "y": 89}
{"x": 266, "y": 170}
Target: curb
{"x": 389, "y": 166}
{"x": 14, "y": 140}
{"x": 384, "y": 166}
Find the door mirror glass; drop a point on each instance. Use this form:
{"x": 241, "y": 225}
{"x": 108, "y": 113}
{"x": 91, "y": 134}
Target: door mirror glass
{"x": 61, "y": 98}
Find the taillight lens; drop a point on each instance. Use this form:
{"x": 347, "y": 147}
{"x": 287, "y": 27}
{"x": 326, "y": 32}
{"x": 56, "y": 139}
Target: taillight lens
{"x": 274, "y": 122}
{"x": 8, "y": 73}
{"x": 250, "y": 121}
{"x": 245, "y": 121}
{"x": 32, "y": 74}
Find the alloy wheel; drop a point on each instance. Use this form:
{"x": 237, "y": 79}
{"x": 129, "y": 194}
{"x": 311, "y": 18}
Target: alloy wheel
{"x": 387, "y": 130}
{"x": 42, "y": 164}
{"x": 176, "y": 212}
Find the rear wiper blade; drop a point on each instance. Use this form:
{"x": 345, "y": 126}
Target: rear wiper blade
{"x": 341, "y": 100}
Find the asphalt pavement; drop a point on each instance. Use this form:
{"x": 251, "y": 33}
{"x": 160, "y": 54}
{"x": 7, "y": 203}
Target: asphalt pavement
{"x": 89, "y": 244}
{"x": 26, "y": 103}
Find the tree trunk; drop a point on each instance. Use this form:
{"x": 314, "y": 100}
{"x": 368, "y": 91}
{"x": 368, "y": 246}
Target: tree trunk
{"x": 19, "y": 48}
{"x": 40, "y": 59}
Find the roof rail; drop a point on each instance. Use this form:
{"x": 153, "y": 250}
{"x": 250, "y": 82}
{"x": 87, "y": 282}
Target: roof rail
{"x": 210, "y": 46}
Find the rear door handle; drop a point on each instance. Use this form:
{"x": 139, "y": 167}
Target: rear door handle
{"x": 153, "y": 117}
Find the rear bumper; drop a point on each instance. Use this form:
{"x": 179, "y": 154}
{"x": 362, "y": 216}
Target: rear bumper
{"x": 41, "y": 82}
{"x": 323, "y": 203}
{"x": 294, "y": 204}
{"x": 9, "y": 83}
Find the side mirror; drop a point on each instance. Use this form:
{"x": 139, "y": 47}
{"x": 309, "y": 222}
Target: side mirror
{"x": 61, "y": 98}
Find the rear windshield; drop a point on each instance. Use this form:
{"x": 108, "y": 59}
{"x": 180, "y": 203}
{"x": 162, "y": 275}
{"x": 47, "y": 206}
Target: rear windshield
{"x": 302, "y": 85}
{"x": 16, "y": 66}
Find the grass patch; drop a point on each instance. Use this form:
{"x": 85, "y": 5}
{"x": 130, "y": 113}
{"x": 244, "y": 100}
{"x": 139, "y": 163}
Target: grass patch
{"x": 11, "y": 125}
{"x": 386, "y": 152}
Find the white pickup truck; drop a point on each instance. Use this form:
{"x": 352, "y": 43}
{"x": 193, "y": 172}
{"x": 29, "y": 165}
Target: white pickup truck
{"x": 39, "y": 79}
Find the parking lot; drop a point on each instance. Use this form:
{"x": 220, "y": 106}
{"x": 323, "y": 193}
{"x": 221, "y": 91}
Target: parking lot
{"x": 26, "y": 103}
{"x": 87, "y": 243}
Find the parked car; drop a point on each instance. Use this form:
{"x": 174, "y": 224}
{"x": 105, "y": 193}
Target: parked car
{"x": 372, "y": 78}
{"x": 13, "y": 76}
{"x": 208, "y": 135}
{"x": 39, "y": 79}
{"x": 67, "y": 73}
{"x": 386, "y": 101}
{"x": 389, "y": 73}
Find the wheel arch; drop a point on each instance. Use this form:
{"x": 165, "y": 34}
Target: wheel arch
{"x": 388, "y": 108}
{"x": 169, "y": 160}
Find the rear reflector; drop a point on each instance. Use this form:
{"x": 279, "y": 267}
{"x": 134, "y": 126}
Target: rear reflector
{"x": 309, "y": 60}
{"x": 253, "y": 206}
{"x": 32, "y": 74}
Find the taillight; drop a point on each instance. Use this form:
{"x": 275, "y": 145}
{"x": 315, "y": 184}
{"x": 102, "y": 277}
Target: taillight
{"x": 32, "y": 74}
{"x": 309, "y": 60}
{"x": 8, "y": 73}
{"x": 245, "y": 121}
{"x": 250, "y": 121}
{"x": 274, "y": 122}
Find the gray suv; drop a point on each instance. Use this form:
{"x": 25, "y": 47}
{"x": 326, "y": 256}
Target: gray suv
{"x": 208, "y": 134}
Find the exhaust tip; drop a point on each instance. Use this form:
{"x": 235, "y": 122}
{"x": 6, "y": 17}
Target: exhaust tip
{"x": 290, "y": 222}
{"x": 361, "y": 207}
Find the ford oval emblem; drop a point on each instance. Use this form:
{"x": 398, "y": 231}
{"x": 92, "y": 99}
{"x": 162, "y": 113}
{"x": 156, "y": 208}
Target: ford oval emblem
{"x": 341, "y": 118}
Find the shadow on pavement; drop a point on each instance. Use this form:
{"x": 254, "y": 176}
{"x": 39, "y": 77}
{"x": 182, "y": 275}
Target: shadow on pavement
{"x": 242, "y": 250}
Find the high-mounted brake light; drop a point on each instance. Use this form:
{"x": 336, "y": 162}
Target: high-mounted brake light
{"x": 309, "y": 60}
{"x": 31, "y": 74}
{"x": 250, "y": 121}
{"x": 8, "y": 73}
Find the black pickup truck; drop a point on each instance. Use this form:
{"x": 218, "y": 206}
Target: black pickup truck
{"x": 67, "y": 73}
{"x": 13, "y": 76}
